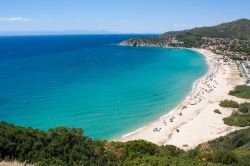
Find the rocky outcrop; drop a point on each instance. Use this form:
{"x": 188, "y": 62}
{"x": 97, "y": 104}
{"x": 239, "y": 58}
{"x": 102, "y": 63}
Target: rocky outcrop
{"x": 146, "y": 42}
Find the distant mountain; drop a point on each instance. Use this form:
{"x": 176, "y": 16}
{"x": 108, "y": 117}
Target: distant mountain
{"x": 238, "y": 29}
{"x": 226, "y": 38}
{"x": 64, "y": 32}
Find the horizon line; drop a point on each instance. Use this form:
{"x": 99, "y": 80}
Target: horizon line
{"x": 75, "y": 34}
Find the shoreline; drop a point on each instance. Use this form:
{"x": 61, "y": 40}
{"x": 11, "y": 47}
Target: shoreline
{"x": 185, "y": 126}
{"x": 172, "y": 110}
{"x": 168, "y": 114}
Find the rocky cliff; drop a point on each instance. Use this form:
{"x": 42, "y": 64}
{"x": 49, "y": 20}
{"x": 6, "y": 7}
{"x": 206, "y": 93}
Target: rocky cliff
{"x": 146, "y": 42}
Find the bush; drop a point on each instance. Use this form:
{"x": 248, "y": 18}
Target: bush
{"x": 232, "y": 149}
{"x": 242, "y": 91}
{"x": 63, "y": 146}
{"x": 139, "y": 147}
{"x": 217, "y": 111}
{"x": 237, "y": 119}
{"x": 223, "y": 156}
{"x": 244, "y": 107}
{"x": 229, "y": 103}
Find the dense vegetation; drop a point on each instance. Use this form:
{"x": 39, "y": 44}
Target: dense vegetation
{"x": 244, "y": 107}
{"x": 239, "y": 29}
{"x": 65, "y": 146}
{"x": 229, "y": 103}
{"x": 233, "y": 149}
{"x": 189, "y": 40}
{"x": 242, "y": 91}
{"x": 238, "y": 119}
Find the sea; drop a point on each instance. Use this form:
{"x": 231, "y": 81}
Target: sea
{"x": 92, "y": 83}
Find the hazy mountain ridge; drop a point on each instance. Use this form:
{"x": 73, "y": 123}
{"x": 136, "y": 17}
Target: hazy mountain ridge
{"x": 52, "y": 32}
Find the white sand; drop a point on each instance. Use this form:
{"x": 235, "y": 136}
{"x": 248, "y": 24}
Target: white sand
{"x": 197, "y": 123}
{"x": 13, "y": 163}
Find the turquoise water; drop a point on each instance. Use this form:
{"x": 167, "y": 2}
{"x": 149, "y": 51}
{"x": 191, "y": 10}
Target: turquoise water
{"x": 86, "y": 81}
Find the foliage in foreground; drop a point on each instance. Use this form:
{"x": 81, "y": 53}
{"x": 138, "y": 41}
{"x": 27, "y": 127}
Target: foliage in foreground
{"x": 65, "y": 146}
{"x": 242, "y": 91}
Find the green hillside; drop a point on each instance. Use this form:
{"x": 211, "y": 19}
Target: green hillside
{"x": 238, "y": 29}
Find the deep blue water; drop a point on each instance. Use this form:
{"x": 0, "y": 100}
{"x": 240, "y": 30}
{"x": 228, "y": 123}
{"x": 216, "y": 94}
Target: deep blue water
{"x": 87, "y": 81}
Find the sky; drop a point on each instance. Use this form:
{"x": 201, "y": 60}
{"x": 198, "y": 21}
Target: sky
{"x": 122, "y": 16}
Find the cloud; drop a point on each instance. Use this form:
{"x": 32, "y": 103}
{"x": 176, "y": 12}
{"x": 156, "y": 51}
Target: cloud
{"x": 15, "y": 19}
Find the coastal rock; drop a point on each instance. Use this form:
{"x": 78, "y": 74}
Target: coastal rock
{"x": 146, "y": 42}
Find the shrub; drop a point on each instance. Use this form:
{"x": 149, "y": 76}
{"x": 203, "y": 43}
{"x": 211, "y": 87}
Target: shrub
{"x": 229, "y": 103}
{"x": 223, "y": 156}
{"x": 236, "y": 119}
{"x": 139, "y": 147}
{"x": 217, "y": 111}
{"x": 236, "y": 143}
{"x": 244, "y": 107}
{"x": 238, "y": 140}
{"x": 242, "y": 91}
{"x": 60, "y": 146}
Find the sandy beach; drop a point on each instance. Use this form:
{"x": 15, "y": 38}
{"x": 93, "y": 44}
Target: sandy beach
{"x": 194, "y": 121}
